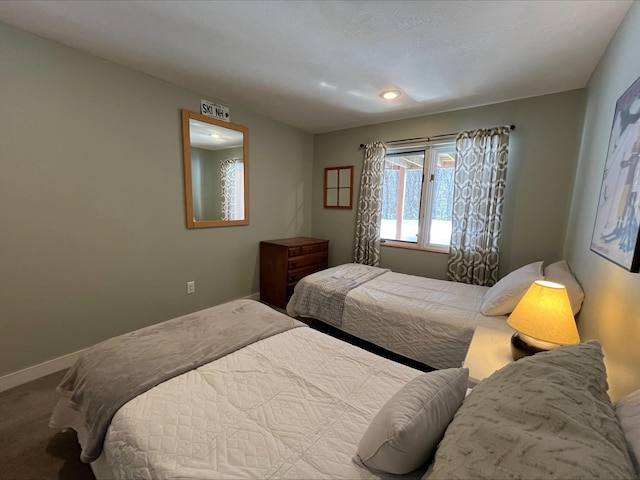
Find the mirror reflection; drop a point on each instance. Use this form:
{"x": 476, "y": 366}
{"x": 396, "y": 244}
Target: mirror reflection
{"x": 216, "y": 171}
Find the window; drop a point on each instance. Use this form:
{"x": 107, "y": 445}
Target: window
{"x": 338, "y": 187}
{"x": 417, "y": 197}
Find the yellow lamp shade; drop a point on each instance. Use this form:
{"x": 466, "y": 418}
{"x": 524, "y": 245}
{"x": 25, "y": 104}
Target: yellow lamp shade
{"x": 544, "y": 313}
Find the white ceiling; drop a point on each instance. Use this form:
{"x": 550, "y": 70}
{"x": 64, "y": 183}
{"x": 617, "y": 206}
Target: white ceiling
{"x": 213, "y": 137}
{"x": 321, "y": 65}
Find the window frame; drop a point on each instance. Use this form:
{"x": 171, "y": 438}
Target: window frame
{"x": 427, "y": 192}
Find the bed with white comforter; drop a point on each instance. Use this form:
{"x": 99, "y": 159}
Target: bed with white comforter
{"x": 428, "y": 320}
{"x": 292, "y": 402}
{"x": 293, "y": 405}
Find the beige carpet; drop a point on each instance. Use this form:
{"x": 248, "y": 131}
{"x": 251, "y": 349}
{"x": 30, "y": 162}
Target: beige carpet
{"x": 29, "y": 449}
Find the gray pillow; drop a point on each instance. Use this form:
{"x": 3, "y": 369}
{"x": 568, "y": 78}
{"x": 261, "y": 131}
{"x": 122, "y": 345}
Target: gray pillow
{"x": 544, "y": 416}
{"x": 405, "y": 432}
{"x": 628, "y": 412}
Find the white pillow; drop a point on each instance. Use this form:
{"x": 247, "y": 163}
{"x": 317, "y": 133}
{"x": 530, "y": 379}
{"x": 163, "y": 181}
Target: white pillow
{"x": 503, "y": 297}
{"x": 628, "y": 412}
{"x": 559, "y": 272}
{"x": 405, "y": 432}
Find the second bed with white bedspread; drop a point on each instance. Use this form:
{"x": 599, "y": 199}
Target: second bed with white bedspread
{"x": 425, "y": 319}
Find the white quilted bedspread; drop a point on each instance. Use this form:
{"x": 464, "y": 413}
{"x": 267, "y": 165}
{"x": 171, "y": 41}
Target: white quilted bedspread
{"x": 425, "y": 319}
{"x": 294, "y": 405}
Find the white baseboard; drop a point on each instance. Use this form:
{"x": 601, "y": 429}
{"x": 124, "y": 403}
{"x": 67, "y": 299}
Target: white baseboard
{"x": 46, "y": 368}
{"x": 33, "y": 373}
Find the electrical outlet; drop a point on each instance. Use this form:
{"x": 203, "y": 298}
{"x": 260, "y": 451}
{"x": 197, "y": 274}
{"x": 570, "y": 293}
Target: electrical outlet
{"x": 191, "y": 287}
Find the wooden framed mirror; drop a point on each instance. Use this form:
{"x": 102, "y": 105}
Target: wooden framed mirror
{"x": 216, "y": 171}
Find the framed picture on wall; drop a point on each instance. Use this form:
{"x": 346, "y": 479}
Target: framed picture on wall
{"x": 338, "y": 187}
{"x": 617, "y": 224}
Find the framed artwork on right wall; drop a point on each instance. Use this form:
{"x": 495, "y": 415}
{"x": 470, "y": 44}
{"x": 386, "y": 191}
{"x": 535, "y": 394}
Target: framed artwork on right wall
{"x": 617, "y": 224}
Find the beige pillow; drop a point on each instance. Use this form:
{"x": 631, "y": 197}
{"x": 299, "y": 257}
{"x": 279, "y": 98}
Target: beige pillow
{"x": 503, "y": 297}
{"x": 559, "y": 272}
{"x": 405, "y": 432}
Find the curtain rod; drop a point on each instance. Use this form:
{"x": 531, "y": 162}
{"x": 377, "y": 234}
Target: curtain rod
{"x": 428, "y": 139}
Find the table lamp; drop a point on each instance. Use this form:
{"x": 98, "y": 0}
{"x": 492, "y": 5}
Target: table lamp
{"x": 543, "y": 320}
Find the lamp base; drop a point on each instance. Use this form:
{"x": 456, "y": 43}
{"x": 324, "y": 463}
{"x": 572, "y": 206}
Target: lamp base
{"x": 520, "y": 348}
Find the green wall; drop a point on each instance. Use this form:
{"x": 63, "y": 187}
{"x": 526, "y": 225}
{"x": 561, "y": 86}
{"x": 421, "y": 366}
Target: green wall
{"x": 93, "y": 240}
{"x": 611, "y": 311}
{"x": 540, "y": 174}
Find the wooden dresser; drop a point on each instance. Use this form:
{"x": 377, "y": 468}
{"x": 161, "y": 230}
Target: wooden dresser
{"x": 285, "y": 261}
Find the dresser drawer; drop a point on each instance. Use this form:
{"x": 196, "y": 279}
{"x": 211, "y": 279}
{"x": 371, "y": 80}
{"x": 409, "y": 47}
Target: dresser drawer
{"x": 319, "y": 247}
{"x": 307, "y": 260}
{"x": 295, "y": 275}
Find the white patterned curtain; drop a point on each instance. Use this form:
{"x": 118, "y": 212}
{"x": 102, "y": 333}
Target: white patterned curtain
{"x": 478, "y": 198}
{"x": 369, "y": 212}
{"x": 228, "y": 181}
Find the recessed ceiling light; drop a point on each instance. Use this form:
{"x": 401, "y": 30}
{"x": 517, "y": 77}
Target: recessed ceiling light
{"x": 390, "y": 94}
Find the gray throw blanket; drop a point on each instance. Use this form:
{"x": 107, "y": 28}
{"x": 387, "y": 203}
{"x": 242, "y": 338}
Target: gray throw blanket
{"x": 113, "y": 372}
{"x": 321, "y": 295}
